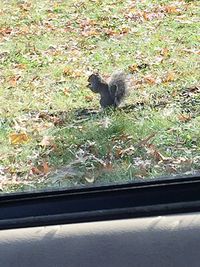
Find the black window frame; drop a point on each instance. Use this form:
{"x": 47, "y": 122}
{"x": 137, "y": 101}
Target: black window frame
{"x": 99, "y": 203}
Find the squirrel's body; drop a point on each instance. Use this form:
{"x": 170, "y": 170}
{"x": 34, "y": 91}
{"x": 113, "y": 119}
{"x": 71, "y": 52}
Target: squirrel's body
{"x": 111, "y": 93}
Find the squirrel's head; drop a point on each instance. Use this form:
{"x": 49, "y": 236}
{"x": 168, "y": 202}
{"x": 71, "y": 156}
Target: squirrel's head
{"x": 94, "y": 82}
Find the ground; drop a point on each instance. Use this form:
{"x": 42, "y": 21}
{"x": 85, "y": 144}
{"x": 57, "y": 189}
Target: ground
{"x": 47, "y": 51}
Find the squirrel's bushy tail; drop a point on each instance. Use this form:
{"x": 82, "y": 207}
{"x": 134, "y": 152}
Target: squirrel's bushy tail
{"x": 118, "y": 87}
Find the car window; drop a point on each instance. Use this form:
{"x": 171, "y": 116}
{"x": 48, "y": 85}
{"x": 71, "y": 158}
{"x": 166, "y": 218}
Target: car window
{"x": 98, "y": 92}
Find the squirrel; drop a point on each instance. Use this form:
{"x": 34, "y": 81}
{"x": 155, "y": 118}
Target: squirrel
{"x": 111, "y": 93}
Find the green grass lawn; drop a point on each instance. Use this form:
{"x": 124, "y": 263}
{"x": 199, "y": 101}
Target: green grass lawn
{"x": 47, "y": 51}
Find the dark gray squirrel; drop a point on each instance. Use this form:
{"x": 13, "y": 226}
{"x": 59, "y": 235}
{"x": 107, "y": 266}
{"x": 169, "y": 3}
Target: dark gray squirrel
{"x": 111, "y": 93}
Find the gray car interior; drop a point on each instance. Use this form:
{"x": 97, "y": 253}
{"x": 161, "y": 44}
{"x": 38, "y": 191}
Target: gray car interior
{"x": 167, "y": 241}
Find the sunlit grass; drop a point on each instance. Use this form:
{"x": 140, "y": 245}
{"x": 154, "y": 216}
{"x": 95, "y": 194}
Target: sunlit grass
{"x": 47, "y": 51}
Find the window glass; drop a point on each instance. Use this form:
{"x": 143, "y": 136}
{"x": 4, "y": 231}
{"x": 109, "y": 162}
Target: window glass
{"x": 61, "y": 127}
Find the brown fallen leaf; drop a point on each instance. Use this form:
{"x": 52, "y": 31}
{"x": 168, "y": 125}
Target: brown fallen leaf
{"x": 124, "y": 30}
{"x": 66, "y": 91}
{"x": 18, "y": 138}
{"x": 89, "y": 98}
{"x": 133, "y": 68}
{"x": 145, "y": 15}
{"x": 41, "y": 169}
{"x": 35, "y": 170}
{"x": 157, "y": 155}
{"x": 150, "y": 80}
{"x": 126, "y": 152}
{"x": 184, "y": 117}
{"x": 165, "y": 52}
{"x": 170, "y": 76}
{"x": 118, "y": 152}
{"x": 77, "y": 74}
{"x": 13, "y": 81}
{"x": 110, "y": 32}
{"x": 174, "y": 93}
{"x": 171, "y": 9}
{"x": 5, "y": 31}
{"x": 21, "y": 66}
{"x": 67, "y": 71}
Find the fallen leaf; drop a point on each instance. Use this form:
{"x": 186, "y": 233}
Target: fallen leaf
{"x": 165, "y": 52}
{"x": 126, "y": 152}
{"x": 145, "y": 15}
{"x": 169, "y": 77}
{"x": 77, "y": 74}
{"x": 89, "y": 98}
{"x": 174, "y": 93}
{"x": 118, "y": 152}
{"x": 184, "y": 117}
{"x": 66, "y": 91}
{"x": 67, "y": 71}
{"x": 5, "y": 31}
{"x": 41, "y": 169}
{"x": 110, "y": 32}
{"x": 171, "y": 9}
{"x": 21, "y": 66}
{"x": 157, "y": 154}
{"x": 18, "y": 138}
{"x": 13, "y": 80}
{"x": 124, "y": 30}
{"x": 35, "y": 170}
{"x": 150, "y": 80}
{"x": 90, "y": 180}
{"x": 133, "y": 68}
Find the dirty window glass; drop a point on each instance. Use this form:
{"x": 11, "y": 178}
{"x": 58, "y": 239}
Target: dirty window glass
{"x": 98, "y": 92}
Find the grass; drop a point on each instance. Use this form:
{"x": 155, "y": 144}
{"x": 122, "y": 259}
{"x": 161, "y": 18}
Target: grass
{"x": 48, "y": 49}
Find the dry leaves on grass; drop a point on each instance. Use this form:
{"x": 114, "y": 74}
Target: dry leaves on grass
{"x": 184, "y": 117}
{"x": 165, "y": 52}
{"x": 150, "y": 80}
{"x": 66, "y": 91}
{"x": 18, "y": 138}
{"x": 156, "y": 154}
{"x": 13, "y": 81}
{"x": 41, "y": 169}
{"x": 169, "y": 77}
{"x": 89, "y": 98}
{"x": 73, "y": 73}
